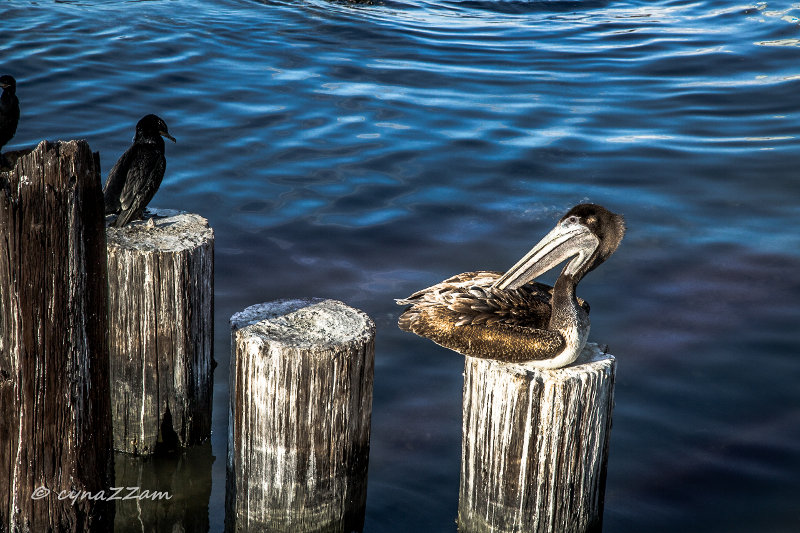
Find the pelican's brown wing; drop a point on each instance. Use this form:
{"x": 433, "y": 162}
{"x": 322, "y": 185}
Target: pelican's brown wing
{"x": 457, "y": 284}
{"x": 500, "y": 341}
{"x": 466, "y": 314}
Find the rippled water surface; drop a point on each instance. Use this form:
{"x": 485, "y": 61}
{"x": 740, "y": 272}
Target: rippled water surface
{"x": 361, "y": 152}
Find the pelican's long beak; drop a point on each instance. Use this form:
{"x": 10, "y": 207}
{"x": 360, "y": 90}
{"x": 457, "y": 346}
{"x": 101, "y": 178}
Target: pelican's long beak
{"x": 564, "y": 241}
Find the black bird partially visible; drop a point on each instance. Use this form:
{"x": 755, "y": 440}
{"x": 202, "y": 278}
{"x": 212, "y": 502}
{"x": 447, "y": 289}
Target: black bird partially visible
{"x": 9, "y": 113}
{"x": 135, "y": 178}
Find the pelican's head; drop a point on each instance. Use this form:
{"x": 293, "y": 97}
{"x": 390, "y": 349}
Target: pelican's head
{"x": 588, "y": 234}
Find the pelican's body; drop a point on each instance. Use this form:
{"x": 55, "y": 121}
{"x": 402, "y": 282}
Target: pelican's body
{"x": 510, "y": 317}
{"x": 468, "y": 314}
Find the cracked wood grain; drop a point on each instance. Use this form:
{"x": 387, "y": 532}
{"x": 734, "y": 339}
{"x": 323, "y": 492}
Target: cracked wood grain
{"x": 535, "y": 445}
{"x": 300, "y": 414}
{"x": 55, "y": 422}
{"x": 160, "y": 279}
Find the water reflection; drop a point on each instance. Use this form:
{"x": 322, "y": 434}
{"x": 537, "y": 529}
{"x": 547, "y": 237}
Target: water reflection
{"x": 184, "y": 475}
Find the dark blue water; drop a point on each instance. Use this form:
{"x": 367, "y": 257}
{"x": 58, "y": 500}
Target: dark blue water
{"x": 361, "y": 152}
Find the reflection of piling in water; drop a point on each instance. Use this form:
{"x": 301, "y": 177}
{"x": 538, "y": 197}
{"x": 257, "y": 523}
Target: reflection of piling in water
{"x": 300, "y": 409}
{"x": 160, "y": 279}
{"x": 55, "y": 422}
{"x": 167, "y": 492}
{"x": 535, "y": 445}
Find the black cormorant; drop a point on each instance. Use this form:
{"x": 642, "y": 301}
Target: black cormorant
{"x": 510, "y": 317}
{"x": 134, "y": 179}
{"x": 9, "y": 113}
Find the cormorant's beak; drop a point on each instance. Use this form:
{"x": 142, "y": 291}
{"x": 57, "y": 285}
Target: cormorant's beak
{"x": 567, "y": 239}
{"x": 167, "y": 135}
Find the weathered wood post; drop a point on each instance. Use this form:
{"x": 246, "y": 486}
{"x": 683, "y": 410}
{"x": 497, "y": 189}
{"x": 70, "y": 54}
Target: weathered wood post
{"x": 55, "y": 420}
{"x": 300, "y": 412}
{"x": 161, "y": 301}
{"x": 535, "y": 445}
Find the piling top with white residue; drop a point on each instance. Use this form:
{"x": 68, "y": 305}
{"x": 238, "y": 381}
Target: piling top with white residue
{"x": 591, "y": 359}
{"x": 304, "y": 323}
{"x": 535, "y": 444}
{"x": 170, "y": 231}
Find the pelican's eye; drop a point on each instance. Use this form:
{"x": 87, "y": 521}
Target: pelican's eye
{"x": 572, "y": 220}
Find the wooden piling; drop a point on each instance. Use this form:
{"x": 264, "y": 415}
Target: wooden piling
{"x": 55, "y": 421}
{"x": 301, "y": 403}
{"x": 161, "y": 301}
{"x": 535, "y": 445}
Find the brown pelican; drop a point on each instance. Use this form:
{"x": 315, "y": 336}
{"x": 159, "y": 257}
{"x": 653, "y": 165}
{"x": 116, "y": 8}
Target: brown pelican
{"x": 509, "y": 317}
